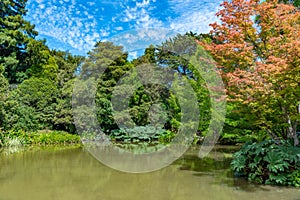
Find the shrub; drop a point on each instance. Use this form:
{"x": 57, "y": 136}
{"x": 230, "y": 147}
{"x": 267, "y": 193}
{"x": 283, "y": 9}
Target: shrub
{"x": 268, "y": 163}
{"x": 19, "y": 137}
{"x": 14, "y": 138}
{"x": 54, "y": 137}
{"x": 142, "y": 133}
{"x": 1, "y": 137}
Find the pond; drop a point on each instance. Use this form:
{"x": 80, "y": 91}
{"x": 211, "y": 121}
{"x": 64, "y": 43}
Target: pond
{"x": 52, "y": 173}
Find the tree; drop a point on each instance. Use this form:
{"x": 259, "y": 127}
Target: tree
{"x": 3, "y": 95}
{"x": 294, "y": 2}
{"x": 102, "y": 69}
{"x": 67, "y": 67}
{"x": 175, "y": 54}
{"x": 260, "y": 62}
{"x": 174, "y": 51}
{"x": 31, "y": 105}
{"x": 149, "y": 56}
{"x": 40, "y": 62}
{"x": 15, "y": 34}
{"x": 153, "y": 98}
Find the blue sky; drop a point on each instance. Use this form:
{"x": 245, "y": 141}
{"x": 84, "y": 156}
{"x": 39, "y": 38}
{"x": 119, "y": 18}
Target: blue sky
{"x": 75, "y": 25}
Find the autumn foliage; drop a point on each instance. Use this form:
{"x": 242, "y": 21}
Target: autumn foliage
{"x": 257, "y": 49}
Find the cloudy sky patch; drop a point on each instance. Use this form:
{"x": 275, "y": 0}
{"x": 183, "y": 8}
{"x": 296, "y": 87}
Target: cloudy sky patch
{"x": 75, "y": 25}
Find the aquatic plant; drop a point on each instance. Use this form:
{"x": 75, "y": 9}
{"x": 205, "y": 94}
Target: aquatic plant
{"x": 268, "y": 163}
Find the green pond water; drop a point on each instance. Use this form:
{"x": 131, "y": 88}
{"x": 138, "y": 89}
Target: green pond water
{"x": 53, "y": 173}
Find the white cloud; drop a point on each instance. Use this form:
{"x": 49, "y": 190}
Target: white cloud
{"x": 119, "y": 28}
{"x": 139, "y": 16}
{"x": 42, "y": 6}
{"x": 193, "y": 16}
{"x": 91, "y": 3}
{"x": 39, "y": 1}
{"x": 68, "y": 22}
{"x": 80, "y": 25}
{"x": 196, "y": 22}
{"x": 144, "y": 3}
{"x": 132, "y": 55}
{"x": 104, "y": 33}
{"x": 141, "y": 38}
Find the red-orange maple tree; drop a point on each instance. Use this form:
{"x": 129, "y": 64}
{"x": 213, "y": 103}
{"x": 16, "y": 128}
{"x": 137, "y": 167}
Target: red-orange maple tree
{"x": 257, "y": 49}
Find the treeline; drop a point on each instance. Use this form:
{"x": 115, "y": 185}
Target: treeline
{"x": 37, "y": 82}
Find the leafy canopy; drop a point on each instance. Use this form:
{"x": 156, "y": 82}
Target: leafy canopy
{"x": 258, "y": 53}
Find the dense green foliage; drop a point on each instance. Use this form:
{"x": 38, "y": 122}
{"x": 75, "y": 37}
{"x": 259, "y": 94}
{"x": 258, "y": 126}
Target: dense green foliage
{"x": 175, "y": 53}
{"x": 22, "y": 138}
{"x": 15, "y": 36}
{"x": 36, "y": 82}
{"x": 40, "y": 102}
{"x": 111, "y": 62}
{"x": 238, "y": 128}
{"x": 294, "y": 2}
{"x": 269, "y": 163}
{"x": 147, "y": 134}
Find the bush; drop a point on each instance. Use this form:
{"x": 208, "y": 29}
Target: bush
{"x": 268, "y": 163}
{"x": 1, "y": 137}
{"x": 242, "y": 136}
{"x": 19, "y": 137}
{"x": 14, "y": 138}
{"x": 54, "y": 137}
{"x": 142, "y": 133}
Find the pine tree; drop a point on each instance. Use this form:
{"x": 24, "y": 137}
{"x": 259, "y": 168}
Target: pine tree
{"x": 15, "y": 35}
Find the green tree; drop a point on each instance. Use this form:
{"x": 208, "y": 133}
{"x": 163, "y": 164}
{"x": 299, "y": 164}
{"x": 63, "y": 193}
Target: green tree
{"x": 41, "y": 63}
{"x": 294, "y": 2}
{"x": 151, "y": 97}
{"x": 105, "y": 65}
{"x": 15, "y": 35}
{"x": 3, "y": 95}
{"x": 67, "y": 67}
{"x": 176, "y": 53}
{"x": 149, "y": 56}
{"x": 31, "y": 105}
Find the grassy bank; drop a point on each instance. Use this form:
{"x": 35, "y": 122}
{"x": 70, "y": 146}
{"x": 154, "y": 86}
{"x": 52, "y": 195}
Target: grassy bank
{"x": 22, "y": 138}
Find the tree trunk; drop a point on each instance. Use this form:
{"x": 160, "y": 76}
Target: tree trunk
{"x": 296, "y": 140}
{"x": 292, "y": 131}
